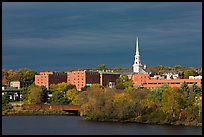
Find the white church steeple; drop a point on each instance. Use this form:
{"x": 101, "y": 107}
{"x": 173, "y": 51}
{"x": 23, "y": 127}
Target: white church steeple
{"x": 137, "y": 64}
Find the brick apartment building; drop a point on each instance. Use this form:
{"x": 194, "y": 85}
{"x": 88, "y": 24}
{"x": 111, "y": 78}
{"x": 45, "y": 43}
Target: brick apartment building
{"x": 81, "y": 78}
{"x": 145, "y": 81}
{"x": 48, "y": 78}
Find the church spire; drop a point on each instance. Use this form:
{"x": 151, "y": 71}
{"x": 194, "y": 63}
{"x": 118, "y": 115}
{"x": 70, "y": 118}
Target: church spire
{"x": 137, "y": 47}
{"x": 137, "y": 64}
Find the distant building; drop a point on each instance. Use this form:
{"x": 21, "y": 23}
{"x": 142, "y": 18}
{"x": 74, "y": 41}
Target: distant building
{"x": 195, "y": 77}
{"x": 157, "y": 77}
{"x": 48, "y": 78}
{"x": 144, "y": 80}
{"x": 171, "y": 82}
{"x": 171, "y": 75}
{"x": 108, "y": 78}
{"x": 15, "y": 84}
{"x": 82, "y": 78}
{"x": 140, "y": 79}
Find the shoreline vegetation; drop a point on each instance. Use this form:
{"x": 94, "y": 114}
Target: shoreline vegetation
{"x": 42, "y": 112}
{"x": 63, "y": 113}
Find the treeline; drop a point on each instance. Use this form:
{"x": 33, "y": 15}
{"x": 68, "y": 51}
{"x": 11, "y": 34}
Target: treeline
{"x": 61, "y": 93}
{"x": 187, "y": 71}
{"x": 24, "y": 75}
{"x": 163, "y": 105}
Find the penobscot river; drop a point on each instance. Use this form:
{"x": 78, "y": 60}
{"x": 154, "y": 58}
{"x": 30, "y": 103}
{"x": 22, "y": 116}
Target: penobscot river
{"x": 76, "y": 125}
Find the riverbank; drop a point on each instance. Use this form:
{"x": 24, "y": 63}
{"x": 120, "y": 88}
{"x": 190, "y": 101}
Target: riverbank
{"x": 157, "y": 123}
{"x": 35, "y": 112}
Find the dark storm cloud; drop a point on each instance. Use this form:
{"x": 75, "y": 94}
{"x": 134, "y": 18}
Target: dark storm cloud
{"x": 58, "y": 36}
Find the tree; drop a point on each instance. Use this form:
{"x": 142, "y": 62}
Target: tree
{"x": 123, "y": 82}
{"x": 5, "y": 99}
{"x": 170, "y": 102}
{"x": 36, "y": 94}
{"x": 96, "y": 86}
{"x": 5, "y": 102}
{"x": 5, "y": 81}
{"x": 58, "y": 97}
{"x": 156, "y": 95}
{"x": 26, "y": 76}
{"x": 189, "y": 72}
{"x": 195, "y": 88}
{"x": 184, "y": 87}
{"x": 61, "y": 87}
{"x": 71, "y": 94}
{"x": 101, "y": 67}
{"x": 130, "y": 89}
{"x": 44, "y": 94}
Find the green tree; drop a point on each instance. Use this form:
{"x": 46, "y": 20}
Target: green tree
{"x": 36, "y": 95}
{"x": 61, "y": 87}
{"x": 5, "y": 102}
{"x": 124, "y": 106}
{"x": 44, "y": 94}
{"x": 26, "y": 75}
{"x": 185, "y": 88}
{"x": 189, "y": 72}
{"x": 130, "y": 89}
{"x": 170, "y": 102}
{"x": 101, "y": 67}
{"x": 96, "y": 86}
{"x": 123, "y": 82}
{"x": 155, "y": 96}
{"x": 195, "y": 88}
{"x": 58, "y": 97}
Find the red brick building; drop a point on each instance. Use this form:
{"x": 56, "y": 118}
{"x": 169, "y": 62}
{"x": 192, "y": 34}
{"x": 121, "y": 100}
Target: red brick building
{"x": 82, "y": 77}
{"x": 48, "y": 78}
{"x": 145, "y": 81}
{"x": 140, "y": 79}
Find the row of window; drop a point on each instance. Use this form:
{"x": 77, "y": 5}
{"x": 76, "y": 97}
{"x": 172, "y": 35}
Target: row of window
{"x": 78, "y": 73}
{"x": 41, "y": 82}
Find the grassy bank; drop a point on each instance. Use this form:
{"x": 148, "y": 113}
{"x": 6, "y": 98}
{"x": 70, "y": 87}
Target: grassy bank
{"x": 35, "y": 112}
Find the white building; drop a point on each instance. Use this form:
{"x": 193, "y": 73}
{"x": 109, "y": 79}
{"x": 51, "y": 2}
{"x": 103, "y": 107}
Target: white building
{"x": 195, "y": 77}
{"x": 15, "y": 84}
{"x": 171, "y": 74}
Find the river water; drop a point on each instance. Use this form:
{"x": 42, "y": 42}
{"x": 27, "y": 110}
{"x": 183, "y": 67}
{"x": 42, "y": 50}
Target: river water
{"x": 76, "y": 125}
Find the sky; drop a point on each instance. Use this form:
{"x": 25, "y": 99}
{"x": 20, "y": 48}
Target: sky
{"x": 59, "y": 36}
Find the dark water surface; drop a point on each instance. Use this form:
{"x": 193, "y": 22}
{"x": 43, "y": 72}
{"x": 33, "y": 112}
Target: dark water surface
{"x": 76, "y": 125}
